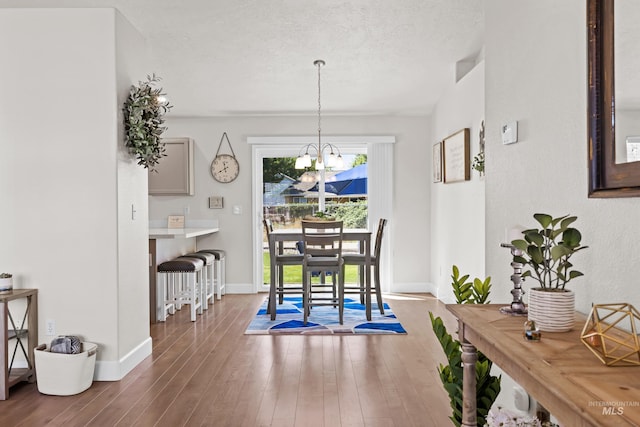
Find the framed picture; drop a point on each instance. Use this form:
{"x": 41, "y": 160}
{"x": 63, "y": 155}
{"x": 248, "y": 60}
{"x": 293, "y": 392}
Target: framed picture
{"x": 175, "y": 221}
{"x": 437, "y": 162}
{"x": 455, "y": 157}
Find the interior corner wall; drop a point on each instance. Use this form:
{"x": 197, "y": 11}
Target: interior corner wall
{"x": 58, "y": 169}
{"x": 536, "y": 73}
{"x": 134, "y": 342}
{"x": 458, "y": 208}
{"x": 411, "y": 196}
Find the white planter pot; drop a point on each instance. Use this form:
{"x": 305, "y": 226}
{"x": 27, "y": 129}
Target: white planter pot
{"x": 552, "y": 311}
{"x": 6, "y": 284}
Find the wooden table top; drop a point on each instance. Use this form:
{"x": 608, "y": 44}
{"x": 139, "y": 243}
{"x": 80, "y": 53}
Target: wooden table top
{"x": 560, "y": 372}
{"x": 16, "y": 294}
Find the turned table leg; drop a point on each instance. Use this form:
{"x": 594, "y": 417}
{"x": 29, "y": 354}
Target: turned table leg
{"x": 469, "y": 358}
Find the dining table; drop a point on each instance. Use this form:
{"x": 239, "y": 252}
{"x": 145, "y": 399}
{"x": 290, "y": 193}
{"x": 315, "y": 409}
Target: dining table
{"x": 362, "y": 236}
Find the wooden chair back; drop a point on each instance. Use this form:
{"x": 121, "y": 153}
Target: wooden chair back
{"x": 322, "y": 238}
{"x": 379, "y": 234}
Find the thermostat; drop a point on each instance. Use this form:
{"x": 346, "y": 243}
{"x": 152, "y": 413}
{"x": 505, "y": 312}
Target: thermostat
{"x": 509, "y": 133}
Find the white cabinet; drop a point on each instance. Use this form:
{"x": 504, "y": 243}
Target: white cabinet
{"x": 174, "y": 174}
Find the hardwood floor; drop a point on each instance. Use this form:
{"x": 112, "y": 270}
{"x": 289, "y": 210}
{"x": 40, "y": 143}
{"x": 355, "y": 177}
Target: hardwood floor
{"x": 208, "y": 373}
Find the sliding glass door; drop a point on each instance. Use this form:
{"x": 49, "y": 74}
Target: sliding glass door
{"x": 289, "y": 194}
{"x": 284, "y": 195}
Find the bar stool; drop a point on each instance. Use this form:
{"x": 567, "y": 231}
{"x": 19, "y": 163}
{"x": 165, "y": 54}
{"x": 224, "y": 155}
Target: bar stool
{"x": 207, "y": 286}
{"x": 178, "y": 283}
{"x": 219, "y": 267}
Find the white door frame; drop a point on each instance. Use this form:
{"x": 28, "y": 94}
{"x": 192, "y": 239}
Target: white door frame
{"x": 380, "y": 189}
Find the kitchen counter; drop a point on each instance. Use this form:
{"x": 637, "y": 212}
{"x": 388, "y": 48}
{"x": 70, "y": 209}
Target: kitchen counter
{"x": 166, "y": 244}
{"x": 177, "y": 233}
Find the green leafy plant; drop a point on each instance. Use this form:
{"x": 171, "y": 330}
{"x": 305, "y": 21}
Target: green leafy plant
{"x": 353, "y": 214}
{"x": 478, "y": 163}
{"x": 547, "y": 251}
{"x": 143, "y": 119}
{"x": 487, "y": 385}
{"x": 475, "y": 292}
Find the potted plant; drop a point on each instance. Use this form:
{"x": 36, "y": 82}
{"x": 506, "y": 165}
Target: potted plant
{"x": 547, "y": 251}
{"x": 320, "y": 216}
{"x": 451, "y": 374}
{"x": 6, "y": 282}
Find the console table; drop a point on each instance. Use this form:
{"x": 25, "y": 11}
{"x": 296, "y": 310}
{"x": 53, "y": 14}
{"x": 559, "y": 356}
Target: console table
{"x": 14, "y": 329}
{"x": 559, "y": 371}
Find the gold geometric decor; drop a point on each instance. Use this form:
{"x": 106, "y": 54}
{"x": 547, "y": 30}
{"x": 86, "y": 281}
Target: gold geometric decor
{"x": 612, "y": 345}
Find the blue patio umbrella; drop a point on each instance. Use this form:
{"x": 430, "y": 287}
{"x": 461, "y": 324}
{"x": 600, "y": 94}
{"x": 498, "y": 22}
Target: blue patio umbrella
{"x": 349, "y": 182}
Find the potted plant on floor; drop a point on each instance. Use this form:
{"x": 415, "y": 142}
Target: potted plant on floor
{"x": 487, "y": 385}
{"x": 547, "y": 251}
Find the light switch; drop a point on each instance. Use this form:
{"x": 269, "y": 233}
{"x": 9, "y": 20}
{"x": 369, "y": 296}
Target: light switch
{"x": 215, "y": 202}
{"x": 237, "y": 210}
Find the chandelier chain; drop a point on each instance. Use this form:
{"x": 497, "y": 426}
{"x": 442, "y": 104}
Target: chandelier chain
{"x": 319, "y": 104}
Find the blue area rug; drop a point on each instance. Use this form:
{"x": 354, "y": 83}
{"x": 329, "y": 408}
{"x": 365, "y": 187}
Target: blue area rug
{"x": 324, "y": 320}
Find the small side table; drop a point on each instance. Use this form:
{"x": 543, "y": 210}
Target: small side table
{"x": 18, "y": 330}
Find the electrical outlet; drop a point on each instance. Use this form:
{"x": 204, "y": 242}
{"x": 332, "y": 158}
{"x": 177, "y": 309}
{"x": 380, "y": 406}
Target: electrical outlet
{"x": 521, "y": 399}
{"x": 51, "y": 327}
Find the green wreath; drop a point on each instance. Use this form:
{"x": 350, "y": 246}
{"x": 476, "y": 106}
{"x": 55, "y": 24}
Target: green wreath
{"x": 143, "y": 111}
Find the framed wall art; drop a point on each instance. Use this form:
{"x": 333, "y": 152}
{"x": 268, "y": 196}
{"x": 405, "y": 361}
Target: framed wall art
{"x": 437, "y": 162}
{"x": 455, "y": 157}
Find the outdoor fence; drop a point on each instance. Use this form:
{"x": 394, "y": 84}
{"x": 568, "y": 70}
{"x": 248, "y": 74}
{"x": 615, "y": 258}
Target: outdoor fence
{"x": 354, "y": 214}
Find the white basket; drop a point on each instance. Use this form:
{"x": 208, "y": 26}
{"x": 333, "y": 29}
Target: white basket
{"x": 65, "y": 374}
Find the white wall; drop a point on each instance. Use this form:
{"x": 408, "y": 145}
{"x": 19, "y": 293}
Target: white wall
{"x": 59, "y": 115}
{"x": 458, "y": 209}
{"x": 411, "y": 191}
{"x": 536, "y": 74}
{"x": 134, "y": 342}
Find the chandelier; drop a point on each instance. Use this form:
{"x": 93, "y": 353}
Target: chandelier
{"x": 333, "y": 160}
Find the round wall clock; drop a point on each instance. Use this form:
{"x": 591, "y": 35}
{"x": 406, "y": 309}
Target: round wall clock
{"x": 225, "y": 167}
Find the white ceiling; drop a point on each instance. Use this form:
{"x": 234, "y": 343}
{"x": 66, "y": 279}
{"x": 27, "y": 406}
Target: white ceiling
{"x": 246, "y": 57}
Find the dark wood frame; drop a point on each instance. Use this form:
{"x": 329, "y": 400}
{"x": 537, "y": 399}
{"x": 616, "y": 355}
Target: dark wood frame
{"x": 606, "y": 177}
{"x": 437, "y": 162}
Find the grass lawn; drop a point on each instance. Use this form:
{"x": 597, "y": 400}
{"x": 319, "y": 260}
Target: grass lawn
{"x": 293, "y": 273}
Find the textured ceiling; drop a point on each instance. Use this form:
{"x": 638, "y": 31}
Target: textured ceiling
{"x": 245, "y": 57}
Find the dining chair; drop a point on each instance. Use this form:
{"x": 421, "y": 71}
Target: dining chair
{"x": 281, "y": 259}
{"x": 322, "y": 250}
{"x": 360, "y": 260}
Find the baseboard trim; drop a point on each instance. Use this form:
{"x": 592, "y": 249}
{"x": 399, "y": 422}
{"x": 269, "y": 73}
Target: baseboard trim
{"x": 107, "y": 370}
{"x": 413, "y": 288}
{"x": 240, "y": 288}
